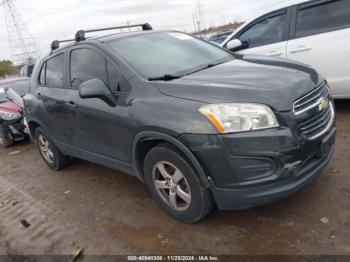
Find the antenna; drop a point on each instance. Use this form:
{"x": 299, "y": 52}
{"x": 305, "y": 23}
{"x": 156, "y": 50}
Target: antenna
{"x": 23, "y": 48}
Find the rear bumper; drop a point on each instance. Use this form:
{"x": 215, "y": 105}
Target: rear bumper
{"x": 235, "y": 199}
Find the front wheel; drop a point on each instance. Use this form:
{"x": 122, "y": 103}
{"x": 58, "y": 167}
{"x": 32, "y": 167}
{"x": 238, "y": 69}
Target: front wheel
{"x": 175, "y": 186}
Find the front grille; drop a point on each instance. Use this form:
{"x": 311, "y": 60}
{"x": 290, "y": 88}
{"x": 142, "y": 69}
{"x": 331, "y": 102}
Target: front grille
{"x": 319, "y": 110}
{"x": 311, "y": 99}
{"x": 318, "y": 124}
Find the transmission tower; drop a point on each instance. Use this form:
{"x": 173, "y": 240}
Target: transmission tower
{"x": 199, "y": 15}
{"x": 23, "y": 48}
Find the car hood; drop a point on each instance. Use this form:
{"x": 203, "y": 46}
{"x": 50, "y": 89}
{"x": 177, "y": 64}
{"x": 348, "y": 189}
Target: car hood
{"x": 255, "y": 79}
{"x": 10, "y": 107}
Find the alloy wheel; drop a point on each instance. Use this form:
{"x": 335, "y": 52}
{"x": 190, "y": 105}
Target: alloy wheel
{"x": 171, "y": 185}
{"x": 45, "y": 149}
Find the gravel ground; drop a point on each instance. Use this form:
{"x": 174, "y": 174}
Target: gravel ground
{"x": 106, "y": 212}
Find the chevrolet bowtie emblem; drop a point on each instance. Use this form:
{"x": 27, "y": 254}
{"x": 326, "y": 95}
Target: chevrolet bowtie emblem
{"x": 324, "y": 104}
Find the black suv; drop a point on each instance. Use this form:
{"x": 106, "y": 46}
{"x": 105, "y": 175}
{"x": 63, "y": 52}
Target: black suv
{"x": 199, "y": 125}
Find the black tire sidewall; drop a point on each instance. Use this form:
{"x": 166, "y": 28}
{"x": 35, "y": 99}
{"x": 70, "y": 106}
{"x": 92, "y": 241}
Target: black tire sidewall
{"x": 6, "y": 140}
{"x": 197, "y": 208}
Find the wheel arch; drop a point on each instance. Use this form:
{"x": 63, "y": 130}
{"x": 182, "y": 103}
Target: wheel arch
{"x": 33, "y": 125}
{"x": 146, "y": 140}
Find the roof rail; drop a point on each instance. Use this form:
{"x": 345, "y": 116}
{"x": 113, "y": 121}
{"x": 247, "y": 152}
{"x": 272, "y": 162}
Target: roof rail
{"x": 80, "y": 35}
{"x": 56, "y": 44}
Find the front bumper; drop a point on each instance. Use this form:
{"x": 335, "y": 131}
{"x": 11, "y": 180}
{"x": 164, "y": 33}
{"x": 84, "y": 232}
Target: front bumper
{"x": 14, "y": 129}
{"x": 255, "y": 168}
{"x": 231, "y": 199}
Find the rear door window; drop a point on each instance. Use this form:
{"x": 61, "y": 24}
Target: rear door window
{"x": 322, "y": 18}
{"x": 55, "y": 72}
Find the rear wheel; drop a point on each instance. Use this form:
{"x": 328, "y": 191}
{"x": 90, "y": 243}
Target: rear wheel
{"x": 49, "y": 152}
{"x": 175, "y": 186}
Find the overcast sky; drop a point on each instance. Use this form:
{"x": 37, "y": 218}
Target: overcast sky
{"x": 48, "y": 20}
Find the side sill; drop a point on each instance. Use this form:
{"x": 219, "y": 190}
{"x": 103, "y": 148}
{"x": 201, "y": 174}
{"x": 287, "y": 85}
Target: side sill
{"x": 96, "y": 158}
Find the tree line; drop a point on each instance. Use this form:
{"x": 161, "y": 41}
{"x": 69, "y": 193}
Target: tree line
{"x": 7, "y": 68}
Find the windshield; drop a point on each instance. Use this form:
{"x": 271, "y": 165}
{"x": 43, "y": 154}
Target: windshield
{"x": 220, "y": 36}
{"x": 218, "y": 40}
{"x": 168, "y": 53}
{"x": 20, "y": 87}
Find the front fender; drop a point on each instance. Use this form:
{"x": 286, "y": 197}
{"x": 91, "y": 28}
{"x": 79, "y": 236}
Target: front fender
{"x": 172, "y": 140}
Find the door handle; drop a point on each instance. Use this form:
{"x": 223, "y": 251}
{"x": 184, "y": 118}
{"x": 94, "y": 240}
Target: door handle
{"x": 274, "y": 53}
{"x": 71, "y": 105}
{"x": 300, "y": 49}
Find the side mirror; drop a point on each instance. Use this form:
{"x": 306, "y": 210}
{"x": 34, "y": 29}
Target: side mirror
{"x": 95, "y": 88}
{"x": 236, "y": 45}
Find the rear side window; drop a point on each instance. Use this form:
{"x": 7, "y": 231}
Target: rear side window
{"x": 55, "y": 72}
{"x": 323, "y": 18}
{"x": 86, "y": 64}
{"x": 268, "y": 31}
{"x": 42, "y": 78}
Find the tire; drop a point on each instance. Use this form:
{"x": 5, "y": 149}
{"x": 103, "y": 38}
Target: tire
{"x": 5, "y": 139}
{"x": 51, "y": 154}
{"x": 164, "y": 165}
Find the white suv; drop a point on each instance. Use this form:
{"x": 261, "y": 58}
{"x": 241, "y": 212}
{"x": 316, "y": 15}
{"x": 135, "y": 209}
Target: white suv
{"x": 315, "y": 32}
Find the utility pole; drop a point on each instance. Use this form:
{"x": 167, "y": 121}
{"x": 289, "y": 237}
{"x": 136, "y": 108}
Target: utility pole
{"x": 23, "y": 48}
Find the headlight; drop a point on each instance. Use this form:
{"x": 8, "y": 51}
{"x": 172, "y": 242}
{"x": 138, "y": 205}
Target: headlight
{"x": 9, "y": 116}
{"x": 230, "y": 118}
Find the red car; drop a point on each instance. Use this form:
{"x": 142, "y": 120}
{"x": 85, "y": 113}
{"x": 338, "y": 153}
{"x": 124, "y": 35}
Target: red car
{"x": 12, "y": 126}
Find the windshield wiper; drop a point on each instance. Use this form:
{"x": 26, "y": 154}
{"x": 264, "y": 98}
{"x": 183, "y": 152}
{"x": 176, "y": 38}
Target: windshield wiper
{"x": 166, "y": 77}
{"x": 207, "y": 66}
